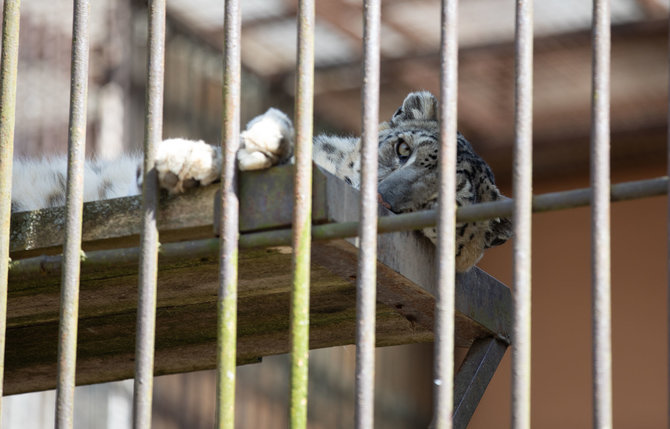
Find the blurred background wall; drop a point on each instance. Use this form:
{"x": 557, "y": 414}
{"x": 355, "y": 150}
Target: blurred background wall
{"x": 561, "y": 371}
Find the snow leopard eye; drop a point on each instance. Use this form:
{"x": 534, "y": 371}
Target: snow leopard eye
{"x": 403, "y": 150}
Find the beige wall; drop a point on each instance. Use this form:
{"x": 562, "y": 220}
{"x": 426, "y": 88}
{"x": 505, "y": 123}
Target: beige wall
{"x": 561, "y": 349}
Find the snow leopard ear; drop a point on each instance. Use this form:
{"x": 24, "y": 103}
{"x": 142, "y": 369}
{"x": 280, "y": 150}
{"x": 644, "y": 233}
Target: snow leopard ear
{"x": 420, "y": 106}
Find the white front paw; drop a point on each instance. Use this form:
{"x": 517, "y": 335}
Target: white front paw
{"x": 252, "y": 160}
{"x": 183, "y": 164}
{"x": 267, "y": 141}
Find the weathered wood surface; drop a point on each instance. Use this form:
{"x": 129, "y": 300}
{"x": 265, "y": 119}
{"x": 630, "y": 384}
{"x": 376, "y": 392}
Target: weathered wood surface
{"x": 116, "y": 223}
{"x": 188, "y": 278}
{"x": 186, "y": 316}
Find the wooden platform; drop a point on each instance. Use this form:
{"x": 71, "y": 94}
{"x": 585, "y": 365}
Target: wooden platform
{"x": 188, "y": 282}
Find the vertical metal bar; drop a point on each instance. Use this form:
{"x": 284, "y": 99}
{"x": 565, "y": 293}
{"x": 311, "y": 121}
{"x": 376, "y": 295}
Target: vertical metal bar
{"x": 668, "y": 232}
{"x": 227, "y": 298}
{"x": 367, "y": 262}
{"x": 302, "y": 214}
{"x": 600, "y": 221}
{"x": 69, "y": 305}
{"x": 8, "y": 69}
{"x": 523, "y": 195}
{"x": 446, "y": 244}
{"x": 146, "y": 306}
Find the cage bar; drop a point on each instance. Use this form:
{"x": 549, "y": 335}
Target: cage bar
{"x": 146, "y": 306}
{"x": 600, "y": 221}
{"x": 366, "y": 284}
{"x": 227, "y": 295}
{"x": 69, "y": 301}
{"x": 446, "y": 243}
{"x": 302, "y": 214}
{"x": 522, "y": 215}
{"x": 8, "y": 69}
{"x": 668, "y": 231}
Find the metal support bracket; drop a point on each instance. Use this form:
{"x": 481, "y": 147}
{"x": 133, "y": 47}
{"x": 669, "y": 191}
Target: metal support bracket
{"x": 474, "y": 376}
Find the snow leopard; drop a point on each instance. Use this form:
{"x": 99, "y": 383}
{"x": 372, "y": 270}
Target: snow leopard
{"x": 408, "y": 170}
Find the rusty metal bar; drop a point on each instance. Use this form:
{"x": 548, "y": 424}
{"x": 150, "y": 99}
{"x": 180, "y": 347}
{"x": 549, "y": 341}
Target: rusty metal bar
{"x": 226, "y": 351}
{"x": 600, "y": 221}
{"x": 446, "y": 244}
{"x": 8, "y": 69}
{"x": 523, "y": 199}
{"x": 74, "y": 207}
{"x": 146, "y": 306}
{"x": 302, "y": 214}
{"x": 366, "y": 284}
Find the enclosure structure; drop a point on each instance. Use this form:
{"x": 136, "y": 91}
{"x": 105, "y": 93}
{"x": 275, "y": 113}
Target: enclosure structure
{"x": 186, "y": 309}
{"x": 522, "y": 198}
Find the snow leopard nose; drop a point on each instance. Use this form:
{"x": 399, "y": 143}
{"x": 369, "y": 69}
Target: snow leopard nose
{"x": 388, "y": 197}
{"x": 381, "y": 201}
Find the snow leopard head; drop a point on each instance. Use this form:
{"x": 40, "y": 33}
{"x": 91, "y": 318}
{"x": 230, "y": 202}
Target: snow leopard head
{"x": 408, "y": 153}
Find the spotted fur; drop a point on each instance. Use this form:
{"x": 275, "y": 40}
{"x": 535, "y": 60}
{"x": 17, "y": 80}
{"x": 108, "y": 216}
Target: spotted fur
{"x": 408, "y": 170}
{"x": 180, "y": 164}
{"x": 410, "y": 183}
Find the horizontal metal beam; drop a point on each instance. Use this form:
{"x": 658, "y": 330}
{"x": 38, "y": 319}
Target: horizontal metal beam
{"x": 541, "y": 203}
{"x": 418, "y": 220}
{"x": 553, "y": 201}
